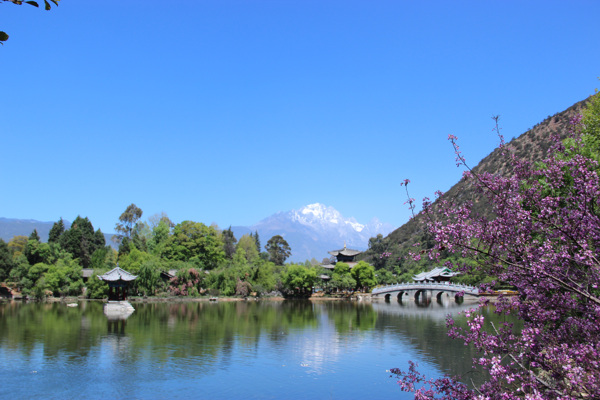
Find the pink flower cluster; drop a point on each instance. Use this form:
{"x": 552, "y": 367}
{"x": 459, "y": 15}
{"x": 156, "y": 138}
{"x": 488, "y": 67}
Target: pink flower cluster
{"x": 545, "y": 241}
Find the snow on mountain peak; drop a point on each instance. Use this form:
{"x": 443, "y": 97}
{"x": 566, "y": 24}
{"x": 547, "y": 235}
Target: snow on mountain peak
{"x": 320, "y": 214}
{"x": 315, "y": 229}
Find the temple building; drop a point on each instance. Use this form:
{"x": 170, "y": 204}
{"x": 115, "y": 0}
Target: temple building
{"x": 438, "y": 274}
{"x": 118, "y": 283}
{"x": 344, "y": 255}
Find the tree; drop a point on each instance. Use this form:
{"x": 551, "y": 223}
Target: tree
{"x": 128, "y": 219}
{"x": 156, "y": 219}
{"x": 257, "y": 240}
{"x": 278, "y": 249}
{"x": 248, "y": 244}
{"x": 591, "y": 125}
{"x": 17, "y": 245}
{"x": 34, "y": 236}
{"x": 6, "y": 261}
{"x": 160, "y": 234}
{"x": 341, "y": 277}
{"x": 545, "y": 241}
{"x": 196, "y": 243}
{"x": 229, "y": 242}
{"x": 378, "y": 247}
{"x": 56, "y": 231}
{"x": 364, "y": 275}
{"x": 81, "y": 240}
{"x": 298, "y": 280}
{"x": 149, "y": 276}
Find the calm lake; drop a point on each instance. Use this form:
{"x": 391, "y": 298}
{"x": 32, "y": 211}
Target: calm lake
{"x": 224, "y": 350}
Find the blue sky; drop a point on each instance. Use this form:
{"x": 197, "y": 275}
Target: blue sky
{"x": 229, "y": 111}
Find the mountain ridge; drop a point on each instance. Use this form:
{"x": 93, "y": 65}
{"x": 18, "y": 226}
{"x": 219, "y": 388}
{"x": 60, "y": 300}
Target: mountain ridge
{"x": 531, "y": 145}
{"x": 315, "y": 229}
{"x": 311, "y": 231}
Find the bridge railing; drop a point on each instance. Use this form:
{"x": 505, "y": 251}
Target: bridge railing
{"x": 427, "y": 286}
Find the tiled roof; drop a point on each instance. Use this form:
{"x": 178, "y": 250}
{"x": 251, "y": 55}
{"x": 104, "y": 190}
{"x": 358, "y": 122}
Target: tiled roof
{"x": 117, "y": 274}
{"x": 438, "y": 271}
{"x": 344, "y": 252}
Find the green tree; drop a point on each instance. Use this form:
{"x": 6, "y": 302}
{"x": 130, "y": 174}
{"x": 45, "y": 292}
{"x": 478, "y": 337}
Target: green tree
{"x": 229, "y": 242}
{"x": 160, "y": 234}
{"x": 34, "y": 236}
{"x": 265, "y": 277}
{"x": 248, "y": 244}
{"x": 81, "y": 240}
{"x": 155, "y": 219}
{"x": 278, "y": 249}
{"x": 298, "y": 280}
{"x": 591, "y": 125}
{"x": 197, "y": 243}
{"x": 64, "y": 278}
{"x": 257, "y": 240}
{"x": 56, "y": 231}
{"x": 97, "y": 289}
{"x": 377, "y": 247}
{"x": 17, "y": 245}
{"x": 364, "y": 275}
{"x": 6, "y": 261}
{"x": 132, "y": 261}
{"x": 36, "y": 252}
{"x": 128, "y": 219}
{"x": 104, "y": 258}
{"x": 342, "y": 278}
{"x": 149, "y": 276}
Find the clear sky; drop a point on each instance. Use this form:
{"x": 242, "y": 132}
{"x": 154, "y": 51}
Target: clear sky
{"x": 229, "y": 111}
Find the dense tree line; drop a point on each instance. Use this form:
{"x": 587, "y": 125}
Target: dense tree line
{"x": 184, "y": 259}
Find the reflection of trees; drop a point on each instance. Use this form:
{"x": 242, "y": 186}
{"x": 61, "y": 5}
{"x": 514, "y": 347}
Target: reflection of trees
{"x": 351, "y": 316}
{"x": 207, "y": 334}
{"x": 60, "y": 329}
{"x": 425, "y": 330}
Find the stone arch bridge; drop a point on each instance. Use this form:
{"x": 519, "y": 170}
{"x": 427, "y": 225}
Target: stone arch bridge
{"x": 423, "y": 291}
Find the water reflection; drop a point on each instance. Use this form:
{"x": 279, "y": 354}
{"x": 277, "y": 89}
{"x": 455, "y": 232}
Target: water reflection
{"x": 254, "y": 349}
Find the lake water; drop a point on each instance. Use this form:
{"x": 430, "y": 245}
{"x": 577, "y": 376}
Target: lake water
{"x": 224, "y": 350}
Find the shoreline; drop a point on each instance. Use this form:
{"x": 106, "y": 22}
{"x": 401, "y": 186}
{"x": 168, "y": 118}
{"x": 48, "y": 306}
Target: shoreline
{"x": 174, "y": 299}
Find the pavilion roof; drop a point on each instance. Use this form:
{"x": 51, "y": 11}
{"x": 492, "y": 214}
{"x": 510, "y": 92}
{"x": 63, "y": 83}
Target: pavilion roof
{"x": 434, "y": 273}
{"x": 345, "y": 252}
{"x": 117, "y": 274}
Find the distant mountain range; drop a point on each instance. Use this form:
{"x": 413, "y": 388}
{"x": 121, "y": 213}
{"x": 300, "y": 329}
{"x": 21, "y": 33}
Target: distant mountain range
{"x": 311, "y": 231}
{"x": 11, "y": 227}
{"x": 314, "y": 230}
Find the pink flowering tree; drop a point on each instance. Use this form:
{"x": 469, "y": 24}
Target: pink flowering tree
{"x": 545, "y": 241}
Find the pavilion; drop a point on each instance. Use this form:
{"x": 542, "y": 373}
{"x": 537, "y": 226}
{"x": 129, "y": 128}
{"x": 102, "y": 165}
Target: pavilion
{"x": 118, "y": 283}
{"x": 344, "y": 255}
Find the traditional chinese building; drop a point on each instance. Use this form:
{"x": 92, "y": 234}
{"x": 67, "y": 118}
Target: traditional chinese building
{"x": 118, "y": 282}
{"x": 344, "y": 255}
{"x": 439, "y": 274}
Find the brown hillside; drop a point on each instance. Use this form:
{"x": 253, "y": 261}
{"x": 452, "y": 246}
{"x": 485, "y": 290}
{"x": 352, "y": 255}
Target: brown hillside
{"x": 531, "y": 145}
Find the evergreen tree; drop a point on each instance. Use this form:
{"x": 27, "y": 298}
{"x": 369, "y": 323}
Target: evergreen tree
{"x": 34, "y": 236}
{"x": 81, "y": 240}
{"x": 6, "y": 261}
{"x": 56, "y": 231}
{"x": 257, "y": 239}
{"x": 229, "y": 242}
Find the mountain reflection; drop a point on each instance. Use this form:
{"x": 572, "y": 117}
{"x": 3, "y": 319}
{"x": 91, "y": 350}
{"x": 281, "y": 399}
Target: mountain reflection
{"x": 190, "y": 340}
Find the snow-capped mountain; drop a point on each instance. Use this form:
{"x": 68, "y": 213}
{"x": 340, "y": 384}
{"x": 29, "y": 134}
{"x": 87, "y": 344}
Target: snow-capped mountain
{"x": 314, "y": 230}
